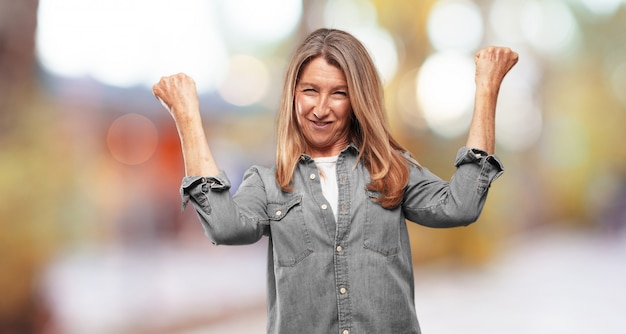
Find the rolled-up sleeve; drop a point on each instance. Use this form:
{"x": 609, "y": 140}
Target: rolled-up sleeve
{"x": 195, "y": 186}
{"x": 433, "y": 202}
{"x": 492, "y": 166}
{"x": 224, "y": 219}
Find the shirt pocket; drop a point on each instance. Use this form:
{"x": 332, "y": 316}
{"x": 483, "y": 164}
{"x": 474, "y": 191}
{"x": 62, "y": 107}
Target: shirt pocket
{"x": 382, "y": 227}
{"x": 290, "y": 236}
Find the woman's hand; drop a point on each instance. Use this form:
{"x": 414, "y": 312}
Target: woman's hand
{"x": 178, "y": 94}
{"x": 492, "y": 65}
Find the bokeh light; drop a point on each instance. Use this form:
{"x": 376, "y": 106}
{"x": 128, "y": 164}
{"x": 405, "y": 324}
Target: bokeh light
{"x": 602, "y": 7}
{"x": 349, "y": 14}
{"x": 455, "y": 25}
{"x": 445, "y": 92}
{"x": 127, "y": 43}
{"x": 505, "y": 22}
{"x": 132, "y": 139}
{"x": 247, "y": 81}
{"x": 549, "y": 26}
{"x": 242, "y": 19}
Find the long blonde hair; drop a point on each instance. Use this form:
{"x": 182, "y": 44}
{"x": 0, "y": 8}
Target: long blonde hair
{"x": 379, "y": 152}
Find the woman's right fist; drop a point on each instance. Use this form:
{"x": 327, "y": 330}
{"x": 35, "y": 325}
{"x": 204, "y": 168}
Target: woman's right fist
{"x": 178, "y": 94}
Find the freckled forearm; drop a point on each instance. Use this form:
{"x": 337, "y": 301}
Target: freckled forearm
{"x": 195, "y": 148}
{"x": 482, "y": 128}
{"x": 492, "y": 65}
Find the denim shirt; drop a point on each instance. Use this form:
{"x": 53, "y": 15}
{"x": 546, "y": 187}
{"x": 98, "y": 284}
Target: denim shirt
{"x": 349, "y": 276}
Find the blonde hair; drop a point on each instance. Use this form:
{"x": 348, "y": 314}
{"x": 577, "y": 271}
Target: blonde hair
{"x": 379, "y": 152}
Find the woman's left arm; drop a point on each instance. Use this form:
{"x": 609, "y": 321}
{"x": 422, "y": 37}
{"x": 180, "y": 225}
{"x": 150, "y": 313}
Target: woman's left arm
{"x": 433, "y": 202}
{"x": 492, "y": 65}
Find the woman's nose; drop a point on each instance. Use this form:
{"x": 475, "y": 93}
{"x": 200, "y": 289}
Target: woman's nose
{"x": 322, "y": 108}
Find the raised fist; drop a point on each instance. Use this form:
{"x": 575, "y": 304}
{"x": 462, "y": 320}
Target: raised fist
{"x": 492, "y": 65}
{"x": 178, "y": 94}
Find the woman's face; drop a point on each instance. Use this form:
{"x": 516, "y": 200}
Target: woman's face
{"x": 323, "y": 108}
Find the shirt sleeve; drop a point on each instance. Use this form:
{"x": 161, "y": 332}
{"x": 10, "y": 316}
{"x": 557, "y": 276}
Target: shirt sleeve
{"x": 433, "y": 202}
{"x": 473, "y": 155}
{"x": 190, "y": 186}
{"x": 225, "y": 219}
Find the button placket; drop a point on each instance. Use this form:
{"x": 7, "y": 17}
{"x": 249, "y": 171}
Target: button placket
{"x": 341, "y": 263}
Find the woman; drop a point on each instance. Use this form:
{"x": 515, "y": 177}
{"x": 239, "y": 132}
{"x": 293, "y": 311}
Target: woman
{"x": 334, "y": 205}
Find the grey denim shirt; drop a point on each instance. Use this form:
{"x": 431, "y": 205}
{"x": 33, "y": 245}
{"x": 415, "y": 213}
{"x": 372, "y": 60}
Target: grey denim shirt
{"x": 349, "y": 276}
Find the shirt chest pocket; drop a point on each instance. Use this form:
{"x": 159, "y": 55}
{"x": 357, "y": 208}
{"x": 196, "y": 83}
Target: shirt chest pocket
{"x": 289, "y": 233}
{"x": 382, "y": 227}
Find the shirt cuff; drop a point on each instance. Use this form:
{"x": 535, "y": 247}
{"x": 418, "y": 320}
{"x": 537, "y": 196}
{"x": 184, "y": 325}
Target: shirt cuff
{"x": 193, "y": 185}
{"x": 467, "y": 155}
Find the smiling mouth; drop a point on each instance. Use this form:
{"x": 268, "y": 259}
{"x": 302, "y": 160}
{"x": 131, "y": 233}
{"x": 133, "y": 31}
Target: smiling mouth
{"x": 320, "y": 124}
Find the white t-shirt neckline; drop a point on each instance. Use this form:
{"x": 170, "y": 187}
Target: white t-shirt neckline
{"x": 327, "y": 167}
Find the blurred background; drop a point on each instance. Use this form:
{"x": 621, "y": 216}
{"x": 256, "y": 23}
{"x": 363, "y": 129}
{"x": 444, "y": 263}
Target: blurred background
{"x": 92, "y": 237}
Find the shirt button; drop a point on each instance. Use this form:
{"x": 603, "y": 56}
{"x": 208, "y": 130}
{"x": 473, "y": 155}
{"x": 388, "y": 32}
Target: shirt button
{"x": 312, "y": 176}
{"x": 278, "y": 213}
{"x": 343, "y": 291}
{"x": 339, "y": 248}
{"x": 324, "y": 206}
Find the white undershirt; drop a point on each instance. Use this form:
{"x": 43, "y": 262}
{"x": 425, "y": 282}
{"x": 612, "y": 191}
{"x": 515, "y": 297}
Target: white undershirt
{"x": 327, "y": 167}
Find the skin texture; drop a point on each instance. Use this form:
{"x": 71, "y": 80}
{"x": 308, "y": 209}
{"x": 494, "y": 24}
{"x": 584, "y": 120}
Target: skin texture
{"x": 492, "y": 65}
{"x": 323, "y": 108}
{"x": 178, "y": 94}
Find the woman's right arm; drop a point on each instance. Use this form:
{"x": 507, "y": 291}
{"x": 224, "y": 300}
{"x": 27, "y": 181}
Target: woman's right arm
{"x": 225, "y": 221}
{"x": 229, "y": 220}
{"x": 178, "y": 94}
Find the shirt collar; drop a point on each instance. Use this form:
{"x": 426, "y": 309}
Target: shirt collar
{"x": 352, "y": 148}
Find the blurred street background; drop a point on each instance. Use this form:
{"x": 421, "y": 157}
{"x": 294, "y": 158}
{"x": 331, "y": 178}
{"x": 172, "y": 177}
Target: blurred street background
{"x": 92, "y": 237}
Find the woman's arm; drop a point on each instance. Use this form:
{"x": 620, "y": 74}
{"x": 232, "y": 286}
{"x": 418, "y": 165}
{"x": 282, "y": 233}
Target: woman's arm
{"x": 178, "y": 94}
{"x": 433, "y": 202}
{"x": 223, "y": 219}
{"x": 492, "y": 65}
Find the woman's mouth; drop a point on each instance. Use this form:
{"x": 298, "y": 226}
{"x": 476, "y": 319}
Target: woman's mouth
{"x": 319, "y": 124}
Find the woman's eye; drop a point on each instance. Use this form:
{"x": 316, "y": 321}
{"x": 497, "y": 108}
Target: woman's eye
{"x": 342, "y": 93}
